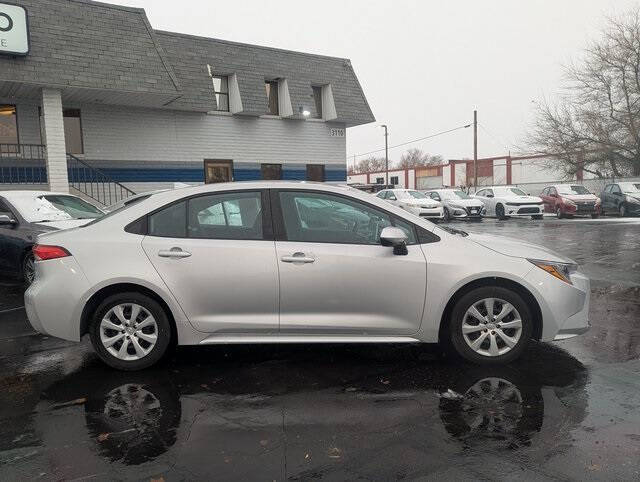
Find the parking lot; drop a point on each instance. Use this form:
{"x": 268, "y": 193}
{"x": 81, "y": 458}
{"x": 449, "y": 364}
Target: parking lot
{"x": 567, "y": 410}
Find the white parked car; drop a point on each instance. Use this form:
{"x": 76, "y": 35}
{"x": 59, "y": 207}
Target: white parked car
{"x": 504, "y": 202}
{"x": 414, "y": 202}
{"x": 458, "y": 204}
{"x": 295, "y": 263}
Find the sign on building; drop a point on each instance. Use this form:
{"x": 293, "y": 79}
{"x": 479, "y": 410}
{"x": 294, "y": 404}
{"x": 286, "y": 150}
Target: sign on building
{"x": 14, "y": 30}
{"x": 333, "y": 132}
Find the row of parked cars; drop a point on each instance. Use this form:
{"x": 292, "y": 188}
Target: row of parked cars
{"x": 503, "y": 202}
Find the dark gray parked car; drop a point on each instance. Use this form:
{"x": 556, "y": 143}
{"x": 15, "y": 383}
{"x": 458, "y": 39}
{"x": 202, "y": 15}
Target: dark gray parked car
{"x": 25, "y": 214}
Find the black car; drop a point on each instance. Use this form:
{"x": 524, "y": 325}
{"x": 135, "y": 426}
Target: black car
{"x": 25, "y": 214}
{"x": 621, "y": 198}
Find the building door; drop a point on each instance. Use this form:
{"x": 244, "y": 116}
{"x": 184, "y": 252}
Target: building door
{"x": 218, "y": 171}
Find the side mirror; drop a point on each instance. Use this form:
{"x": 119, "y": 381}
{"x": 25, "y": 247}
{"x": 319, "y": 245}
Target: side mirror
{"x": 395, "y": 237}
{"x": 489, "y": 195}
{"x": 5, "y": 219}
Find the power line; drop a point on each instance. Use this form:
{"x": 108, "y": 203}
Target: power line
{"x": 412, "y": 141}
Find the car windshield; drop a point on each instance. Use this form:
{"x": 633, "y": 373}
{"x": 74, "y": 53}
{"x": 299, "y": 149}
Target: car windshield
{"x": 509, "y": 191}
{"x": 417, "y": 194}
{"x": 630, "y": 187}
{"x": 453, "y": 195}
{"x": 572, "y": 190}
{"x": 55, "y": 207}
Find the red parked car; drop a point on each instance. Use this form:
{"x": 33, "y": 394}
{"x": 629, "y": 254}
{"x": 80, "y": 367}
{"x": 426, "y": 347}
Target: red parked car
{"x": 568, "y": 200}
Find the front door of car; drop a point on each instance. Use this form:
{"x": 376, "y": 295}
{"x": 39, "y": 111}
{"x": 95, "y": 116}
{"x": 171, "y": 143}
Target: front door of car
{"x": 335, "y": 276}
{"x": 216, "y": 254}
{"x": 615, "y": 197}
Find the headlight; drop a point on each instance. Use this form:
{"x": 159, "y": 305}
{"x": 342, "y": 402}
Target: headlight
{"x": 632, "y": 200}
{"x": 562, "y": 271}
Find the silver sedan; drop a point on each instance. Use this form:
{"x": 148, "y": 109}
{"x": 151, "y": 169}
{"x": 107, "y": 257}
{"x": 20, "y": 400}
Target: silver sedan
{"x": 286, "y": 262}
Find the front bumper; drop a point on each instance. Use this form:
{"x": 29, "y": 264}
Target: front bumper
{"x": 429, "y": 213}
{"x": 524, "y": 210}
{"x": 633, "y": 209}
{"x": 580, "y": 209}
{"x": 467, "y": 213}
{"x": 564, "y": 306}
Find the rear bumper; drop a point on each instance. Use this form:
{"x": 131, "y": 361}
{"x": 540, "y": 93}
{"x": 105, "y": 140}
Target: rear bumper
{"x": 52, "y": 302}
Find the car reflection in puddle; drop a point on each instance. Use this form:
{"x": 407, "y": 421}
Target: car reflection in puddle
{"x": 244, "y": 407}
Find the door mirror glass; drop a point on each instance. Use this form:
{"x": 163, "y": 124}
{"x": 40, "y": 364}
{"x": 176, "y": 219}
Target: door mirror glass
{"x": 6, "y": 219}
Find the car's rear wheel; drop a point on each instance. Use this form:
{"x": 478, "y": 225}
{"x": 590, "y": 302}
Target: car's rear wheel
{"x": 490, "y": 325}
{"x": 130, "y": 331}
{"x": 28, "y": 268}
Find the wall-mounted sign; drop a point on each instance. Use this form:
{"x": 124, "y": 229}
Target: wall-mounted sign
{"x": 14, "y": 30}
{"x": 336, "y": 132}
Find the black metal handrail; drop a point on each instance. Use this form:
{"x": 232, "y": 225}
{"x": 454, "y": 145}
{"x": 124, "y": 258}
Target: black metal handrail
{"x": 22, "y": 164}
{"x": 22, "y": 151}
{"x": 94, "y": 183}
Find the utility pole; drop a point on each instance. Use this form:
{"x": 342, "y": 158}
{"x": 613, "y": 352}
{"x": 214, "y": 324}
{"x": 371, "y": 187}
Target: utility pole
{"x": 475, "y": 150}
{"x": 386, "y": 156}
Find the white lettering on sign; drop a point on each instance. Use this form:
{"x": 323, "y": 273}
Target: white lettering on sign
{"x": 14, "y": 30}
{"x": 336, "y": 132}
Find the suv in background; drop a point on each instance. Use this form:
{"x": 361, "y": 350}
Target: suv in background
{"x": 622, "y": 198}
{"x": 568, "y": 200}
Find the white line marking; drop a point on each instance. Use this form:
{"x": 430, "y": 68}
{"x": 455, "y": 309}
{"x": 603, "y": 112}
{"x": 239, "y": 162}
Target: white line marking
{"x": 11, "y": 309}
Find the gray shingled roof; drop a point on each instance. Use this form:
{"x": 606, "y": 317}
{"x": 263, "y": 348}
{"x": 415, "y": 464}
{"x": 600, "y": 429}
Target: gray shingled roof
{"x": 81, "y": 44}
{"x": 78, "y": 43}
{"x": 253, "y": 64}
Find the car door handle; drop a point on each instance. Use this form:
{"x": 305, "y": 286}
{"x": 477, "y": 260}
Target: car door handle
{"x": 297, "y": 258}
{"x": 173, "y": 253}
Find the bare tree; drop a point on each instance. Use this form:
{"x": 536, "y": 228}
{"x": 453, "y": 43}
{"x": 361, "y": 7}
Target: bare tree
{"x": 595, "y": 125}
{"x": 416, "y": 158}
{"x": 368, "y": 164}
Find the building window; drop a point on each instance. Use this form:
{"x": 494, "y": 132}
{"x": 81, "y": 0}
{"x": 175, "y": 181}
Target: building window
{"x": 8, "y": 127}
{"x": 221, "y": 91}
{"x": 73, "y": 131}
{"x": 272, "y": 96}
{"x": 394, "y": 180}
{"x": 379, "y": 180}
{"x": 317, "y": 98}
{"x": 315, "y": 172}
{"x": 271, "y": 172}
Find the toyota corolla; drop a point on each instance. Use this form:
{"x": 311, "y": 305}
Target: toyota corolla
{"x": 288, "y": 262}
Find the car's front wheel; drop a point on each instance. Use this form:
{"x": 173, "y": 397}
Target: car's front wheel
{"x": 130, "y": 331}
{"x": 490, "y": 325}
{"x": 500, "y": 214}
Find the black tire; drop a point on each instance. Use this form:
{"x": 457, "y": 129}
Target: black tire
{"x": 537, "y": 217}
{"x": 163, "y": 331}
{"x": 559, "y": 214}
{"x": 28, "y": 268}
{"x": 447, "y": 215}
{"x": 456, "y": 338}
{"x": 500, "y": 212}
{"x": 595, "y": 216}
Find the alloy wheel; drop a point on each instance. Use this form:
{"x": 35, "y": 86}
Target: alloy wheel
{"x": 492, "y": 406}
{"x": 128, "y": 331}
{"x": 492, "y": 327}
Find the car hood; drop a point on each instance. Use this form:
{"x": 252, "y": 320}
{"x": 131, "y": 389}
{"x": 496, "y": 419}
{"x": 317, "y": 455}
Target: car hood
{"x": 580, "y": 197}
{"x": 467, "y": 203}
{"x": 634, "y": 195}
{"x": 420, "y": 202}
{"x": 63, "y": 223}
{"x": 517, "y": 248}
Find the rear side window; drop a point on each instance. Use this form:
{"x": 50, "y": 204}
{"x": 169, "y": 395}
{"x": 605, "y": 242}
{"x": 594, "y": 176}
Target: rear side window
{"x": 170, "y": 222}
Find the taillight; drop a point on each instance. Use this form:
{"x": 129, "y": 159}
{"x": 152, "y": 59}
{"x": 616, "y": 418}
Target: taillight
{"x": 42, "y": 252}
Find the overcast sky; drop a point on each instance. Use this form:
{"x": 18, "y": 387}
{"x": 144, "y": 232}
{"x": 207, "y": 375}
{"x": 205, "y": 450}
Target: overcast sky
{"x": 424, "y": 65}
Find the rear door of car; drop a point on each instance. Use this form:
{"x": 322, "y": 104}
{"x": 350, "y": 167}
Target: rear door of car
{"x": 335, "y": 276}
{"x": 216, "y": 253}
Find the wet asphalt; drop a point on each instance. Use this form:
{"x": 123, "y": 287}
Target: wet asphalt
{"x": 566, "y": 410}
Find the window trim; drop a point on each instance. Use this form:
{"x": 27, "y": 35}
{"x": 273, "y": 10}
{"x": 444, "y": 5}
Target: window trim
{"x": 279, "y": 230}
{"x": 215, "y": 92}
{"x": 141, "y": 225}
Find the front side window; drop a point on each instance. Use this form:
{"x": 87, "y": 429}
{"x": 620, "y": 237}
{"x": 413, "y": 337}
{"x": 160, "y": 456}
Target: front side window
{"x": 8, "y": 128}
{"x": 317, "y": 99}
{"x": 324, "y": 218}
{"x": 615, "y": 189}
{"x": 271, "y": 172}
{"x": 271, "y": 87}
{"x": 221, "y": 91}
{"x": 73, "y": 131}
{"x": 382, "y": 194}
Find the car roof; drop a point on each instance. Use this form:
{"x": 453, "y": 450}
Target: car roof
{"x": 12, "y": 195}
